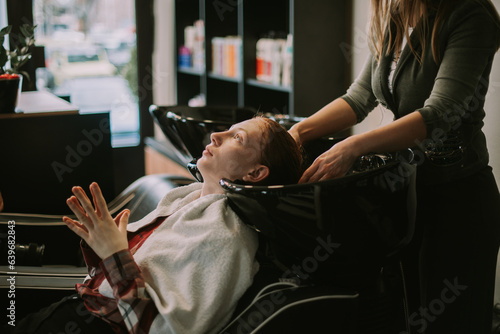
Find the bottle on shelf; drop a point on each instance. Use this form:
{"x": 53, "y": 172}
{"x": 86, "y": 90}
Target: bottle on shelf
{"x": 277, "y": 61}
{"x": 271, "y": 59}
{"x": 287, "y": 62}
{"x": 264, "y": 58}
{"x": 199, "y": 46}
{"x": 226, "y": 56}
{"x": 185, "y": 57}
{"x": 192, "y": 53}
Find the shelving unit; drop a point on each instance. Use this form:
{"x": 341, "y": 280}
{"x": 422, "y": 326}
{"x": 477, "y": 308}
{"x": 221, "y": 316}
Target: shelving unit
{"x": 320, "y": 71}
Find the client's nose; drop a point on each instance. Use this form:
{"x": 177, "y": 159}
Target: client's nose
{"x": 216, "y": 138}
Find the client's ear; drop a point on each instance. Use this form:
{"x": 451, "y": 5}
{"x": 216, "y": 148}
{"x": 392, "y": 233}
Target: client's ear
{"x": 258, "y": 174}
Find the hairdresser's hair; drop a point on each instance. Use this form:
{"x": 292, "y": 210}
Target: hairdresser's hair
{"x": 280, "y": 153}
{"x": 402, "y": 14}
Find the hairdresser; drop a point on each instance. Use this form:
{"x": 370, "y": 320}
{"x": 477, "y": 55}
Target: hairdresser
{"x": 430, "y": 64}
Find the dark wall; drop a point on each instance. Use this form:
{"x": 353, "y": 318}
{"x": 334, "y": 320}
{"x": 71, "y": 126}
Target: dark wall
{"x": 43, "y": 157}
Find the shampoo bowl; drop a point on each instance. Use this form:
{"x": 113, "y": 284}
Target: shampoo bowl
{"x": 339, "y": 231}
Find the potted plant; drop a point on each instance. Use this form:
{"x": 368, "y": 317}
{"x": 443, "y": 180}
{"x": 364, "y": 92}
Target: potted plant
{"x": 10, "y": 64}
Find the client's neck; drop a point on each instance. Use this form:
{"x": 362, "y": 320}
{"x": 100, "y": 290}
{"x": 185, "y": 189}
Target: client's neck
{"x": 211, "y": 187}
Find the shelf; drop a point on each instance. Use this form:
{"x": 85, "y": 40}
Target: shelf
{"x": 320, "y": 70}
{"x": 224, "y": 78}
{"x": 191, "y": 71}
{"x": 257, "y": 83}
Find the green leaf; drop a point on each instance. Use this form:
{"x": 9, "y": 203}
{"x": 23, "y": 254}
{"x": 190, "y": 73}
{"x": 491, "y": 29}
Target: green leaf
{"x": 6, "y": 30}
{"x": 3, "y": 57}
{"x": 25, "y": 74}
{"x": 28, "y": 33}
{"x": 22, "y": 61}
{"x": 24, "y": 30}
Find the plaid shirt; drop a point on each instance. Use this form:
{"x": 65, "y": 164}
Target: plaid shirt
{"x": 131, "y": 311}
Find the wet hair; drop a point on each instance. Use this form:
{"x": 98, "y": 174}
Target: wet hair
{"x": 280, "y": 153}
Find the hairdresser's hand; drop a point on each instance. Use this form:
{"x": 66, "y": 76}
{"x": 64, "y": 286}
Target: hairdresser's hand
{"x": 334, "y": 163}
{"x": 96, "y": 227}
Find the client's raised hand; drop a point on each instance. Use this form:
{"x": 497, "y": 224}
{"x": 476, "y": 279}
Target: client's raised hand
{"x": 96, "y": 227}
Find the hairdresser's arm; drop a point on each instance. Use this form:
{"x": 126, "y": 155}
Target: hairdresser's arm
{"x": 343, "y": 112}
{"x": 400, "y": 134}
{"x": 334, "y": 117}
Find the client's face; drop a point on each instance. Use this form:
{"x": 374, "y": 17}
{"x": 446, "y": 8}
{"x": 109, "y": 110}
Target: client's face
{"x": 233, "y": 154}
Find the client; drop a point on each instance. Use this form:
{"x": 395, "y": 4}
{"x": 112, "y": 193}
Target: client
{"x": 183, "y": 267}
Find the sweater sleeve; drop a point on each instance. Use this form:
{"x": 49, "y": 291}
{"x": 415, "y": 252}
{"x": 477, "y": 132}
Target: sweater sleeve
{"x": 460, "y": 87}
{"x": 127, "y": 282}
{"x": 360, "y": 94}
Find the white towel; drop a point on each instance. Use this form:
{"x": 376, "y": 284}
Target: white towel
{"x": 197, "y": 263}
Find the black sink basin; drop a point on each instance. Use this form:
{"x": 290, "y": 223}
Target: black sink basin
{"x": 338, "y": 231}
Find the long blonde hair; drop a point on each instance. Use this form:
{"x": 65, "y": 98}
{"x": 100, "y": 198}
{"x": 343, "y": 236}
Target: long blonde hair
{"x": 404, "y": 14}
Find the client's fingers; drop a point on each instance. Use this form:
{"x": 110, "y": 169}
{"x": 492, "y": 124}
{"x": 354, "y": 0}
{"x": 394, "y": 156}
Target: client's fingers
{"x": 85, "y": 203}
{"x": 76, "y": 227}
{"x": 121, "y": 220}
{"x": 79, "y": 212}
{"x": 100, "y": 205}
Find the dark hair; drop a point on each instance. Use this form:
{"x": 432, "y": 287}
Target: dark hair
{"x": 280, "y": 153}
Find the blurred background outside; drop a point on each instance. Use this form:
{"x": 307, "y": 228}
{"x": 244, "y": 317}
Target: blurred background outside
{"x": 90, "y": 59}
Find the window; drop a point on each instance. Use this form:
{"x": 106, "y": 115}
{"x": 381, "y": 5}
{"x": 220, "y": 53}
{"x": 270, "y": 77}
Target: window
{"x": 3, "y": 13}
{"x": 90, "y": 59}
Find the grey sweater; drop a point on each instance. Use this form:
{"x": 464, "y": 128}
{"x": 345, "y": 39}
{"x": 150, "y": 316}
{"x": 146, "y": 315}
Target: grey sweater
{"x": 449, "y": 95}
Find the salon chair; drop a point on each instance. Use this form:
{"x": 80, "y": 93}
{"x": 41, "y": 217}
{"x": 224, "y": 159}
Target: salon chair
{"x": 48, "y": 258}
{"x": 329, "y": 251}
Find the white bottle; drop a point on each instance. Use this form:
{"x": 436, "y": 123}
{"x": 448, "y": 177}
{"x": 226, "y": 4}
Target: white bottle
{"x": 199, "y": 46}
{"x": 259, "y": 73}
{"x": 264, "y": 59}
{"x": 217, "y": 55}
{"x": 277, "y": 61}
{"x": 287, "y": 62}
{"x": 189, "y": 37}
{"x": 238, "y": 57}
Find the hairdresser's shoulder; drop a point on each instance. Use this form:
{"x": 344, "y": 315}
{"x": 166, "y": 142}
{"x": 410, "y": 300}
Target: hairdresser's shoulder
{"x": 465, "y": 10}
{"x": 477, "y": 17}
